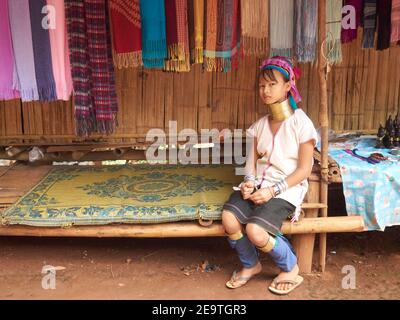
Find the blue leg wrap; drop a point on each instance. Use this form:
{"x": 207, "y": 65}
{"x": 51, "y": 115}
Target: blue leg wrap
{"x": 283, "y": 254}
{"x": 246, "y": 251}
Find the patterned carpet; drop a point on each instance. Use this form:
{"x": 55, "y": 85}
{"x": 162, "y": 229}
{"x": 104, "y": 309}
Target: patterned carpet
{"x": 125, "y": 194}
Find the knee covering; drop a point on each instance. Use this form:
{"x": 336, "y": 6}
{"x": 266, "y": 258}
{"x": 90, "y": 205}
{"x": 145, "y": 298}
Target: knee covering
{"x": 246, "y": 251}
{"x": 283, "y": 254}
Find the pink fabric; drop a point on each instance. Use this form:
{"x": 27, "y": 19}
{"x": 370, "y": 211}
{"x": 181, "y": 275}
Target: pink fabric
{"x": 281, "y": 62}
{"x": 60, "y": 51}
{"x": 8, "y": 74}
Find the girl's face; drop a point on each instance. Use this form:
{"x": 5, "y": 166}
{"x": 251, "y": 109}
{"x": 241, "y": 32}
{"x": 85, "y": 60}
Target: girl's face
{"x": 273, "y": 86}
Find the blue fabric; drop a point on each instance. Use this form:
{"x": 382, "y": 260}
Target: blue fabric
{"x": 370, "y": 190}
{"x": 281, "y": 70}
{"x": 154, "y": 37}
{"x": 246, "y": 251}
{"x": 283, "y": 254}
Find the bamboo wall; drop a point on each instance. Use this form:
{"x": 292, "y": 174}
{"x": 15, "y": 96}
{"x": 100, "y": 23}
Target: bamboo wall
{"x": 363, "y": 90}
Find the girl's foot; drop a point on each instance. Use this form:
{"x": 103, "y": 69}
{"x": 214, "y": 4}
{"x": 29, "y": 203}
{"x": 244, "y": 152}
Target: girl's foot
{"x": 285, "y": 282}
{"x": 240, "y": 278}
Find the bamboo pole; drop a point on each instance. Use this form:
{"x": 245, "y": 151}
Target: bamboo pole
{"x": 324, "y": 123}
{"x": 181, "y": 229}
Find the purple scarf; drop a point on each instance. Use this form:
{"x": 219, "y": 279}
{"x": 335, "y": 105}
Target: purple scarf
{"x": 8, "y": 74}
{"x": 349, "y": 35}
{"x": 42, "y": 53}
{"x": 20, "y": 23}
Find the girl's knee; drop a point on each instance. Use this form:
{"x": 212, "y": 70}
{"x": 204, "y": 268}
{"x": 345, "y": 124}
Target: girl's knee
{"x": 230, "y": 222}
{"x": 256, "y": 234}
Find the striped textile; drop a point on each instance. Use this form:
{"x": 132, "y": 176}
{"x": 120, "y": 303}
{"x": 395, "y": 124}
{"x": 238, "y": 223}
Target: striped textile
{"x": 92, "y": 67}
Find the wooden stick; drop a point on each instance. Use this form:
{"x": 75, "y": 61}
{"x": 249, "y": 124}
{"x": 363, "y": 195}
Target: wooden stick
{"x": 324, "y": 123}
{"x": 181, "y": 229}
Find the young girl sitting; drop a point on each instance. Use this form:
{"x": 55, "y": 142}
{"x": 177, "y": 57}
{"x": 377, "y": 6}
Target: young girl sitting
{"x": 277, "y": 167}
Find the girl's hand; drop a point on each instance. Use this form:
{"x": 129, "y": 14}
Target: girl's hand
{"x": 247, "y": 188}
{"x": 261, "y": 196}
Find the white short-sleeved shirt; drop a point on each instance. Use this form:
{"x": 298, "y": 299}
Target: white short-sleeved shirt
{"x": 278, "y": 156}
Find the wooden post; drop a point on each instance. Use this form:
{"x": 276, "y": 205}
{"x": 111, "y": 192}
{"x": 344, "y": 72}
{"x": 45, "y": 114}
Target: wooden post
{"x": 324, "y": 123}
{"x": 304, "y": 243}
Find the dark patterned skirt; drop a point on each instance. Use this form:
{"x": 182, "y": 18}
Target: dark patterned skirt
{"x": 269, "y": 215}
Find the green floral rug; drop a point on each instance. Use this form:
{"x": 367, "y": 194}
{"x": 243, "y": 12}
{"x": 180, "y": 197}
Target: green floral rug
{"x": 125, "y": 194}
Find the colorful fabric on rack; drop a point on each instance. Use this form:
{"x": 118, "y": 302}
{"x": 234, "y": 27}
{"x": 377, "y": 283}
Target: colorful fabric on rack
{"x": 60, "y": 52}
{"x": 183, "y": 35}
{"x": 384, "y": 9}
{"x": 42, "y": 53}
{"x": 8, "y": 74}
{"x": 172, "y": 35}
{"x": 222, "y": 35}
{"x": 20, "y": 22}
{"x": 306, "y": 26}
{"x": 369, "y": 24}
{"x": 281, "y": 27}
{"x": 177, "y": 36}
{"x": 255, "y": 27}
{"x": 395, "y": 32}
{"x": 92, "y": 67}
{"x": 333, "y": 30}
{"x": 154, "y": 37}
{"x": 349, "y": 35}
{"x": 127, "y": 33}
{"x": 196, "y": 30}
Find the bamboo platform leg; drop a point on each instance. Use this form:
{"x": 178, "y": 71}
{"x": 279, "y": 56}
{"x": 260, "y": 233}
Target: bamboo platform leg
{"x": 323, "y": 70}
{"x": 304, "y": 243}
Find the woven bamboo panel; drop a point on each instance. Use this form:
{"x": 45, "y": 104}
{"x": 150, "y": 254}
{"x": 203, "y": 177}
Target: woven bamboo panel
{"x": 362, "y": 91}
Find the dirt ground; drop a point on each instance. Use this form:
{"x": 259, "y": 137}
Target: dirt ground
{"x": 172, "y": 269}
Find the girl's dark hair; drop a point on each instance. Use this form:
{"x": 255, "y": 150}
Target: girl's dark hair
{"x": 268, "y": 74}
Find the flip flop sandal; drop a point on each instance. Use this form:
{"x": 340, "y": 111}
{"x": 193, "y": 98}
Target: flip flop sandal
{"x": 294, "y": 283}
{"x": 235, "y": 279}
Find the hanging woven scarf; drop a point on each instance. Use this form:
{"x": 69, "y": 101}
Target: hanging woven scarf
{"x": 60, "y": 52}
{"x": 183, "y": 35}
{"x": 222, "y": 35}
{"x": 177, "y": 36}
{"x": 395, "y": 33}
{"x": 196, "y": 30}
{"x": 127, "y": 33}
{"x": 8, "y": 75}
{"x": 333, "y": 30}
{"x": 255, "y": 27}
{"x": 369, "y": 23}
{"x": 349, "y": 35}
{"x": 20, "y": 23}
{"x": 92, "y": 67}
{"x": 154, "y": 37}
{"x": 281, "y": 26}
{"x": 306, "y": 26}
{"x": 102, "y": 72}
{"x": 42, "y": 53}
{"x": 383, "y": 10}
